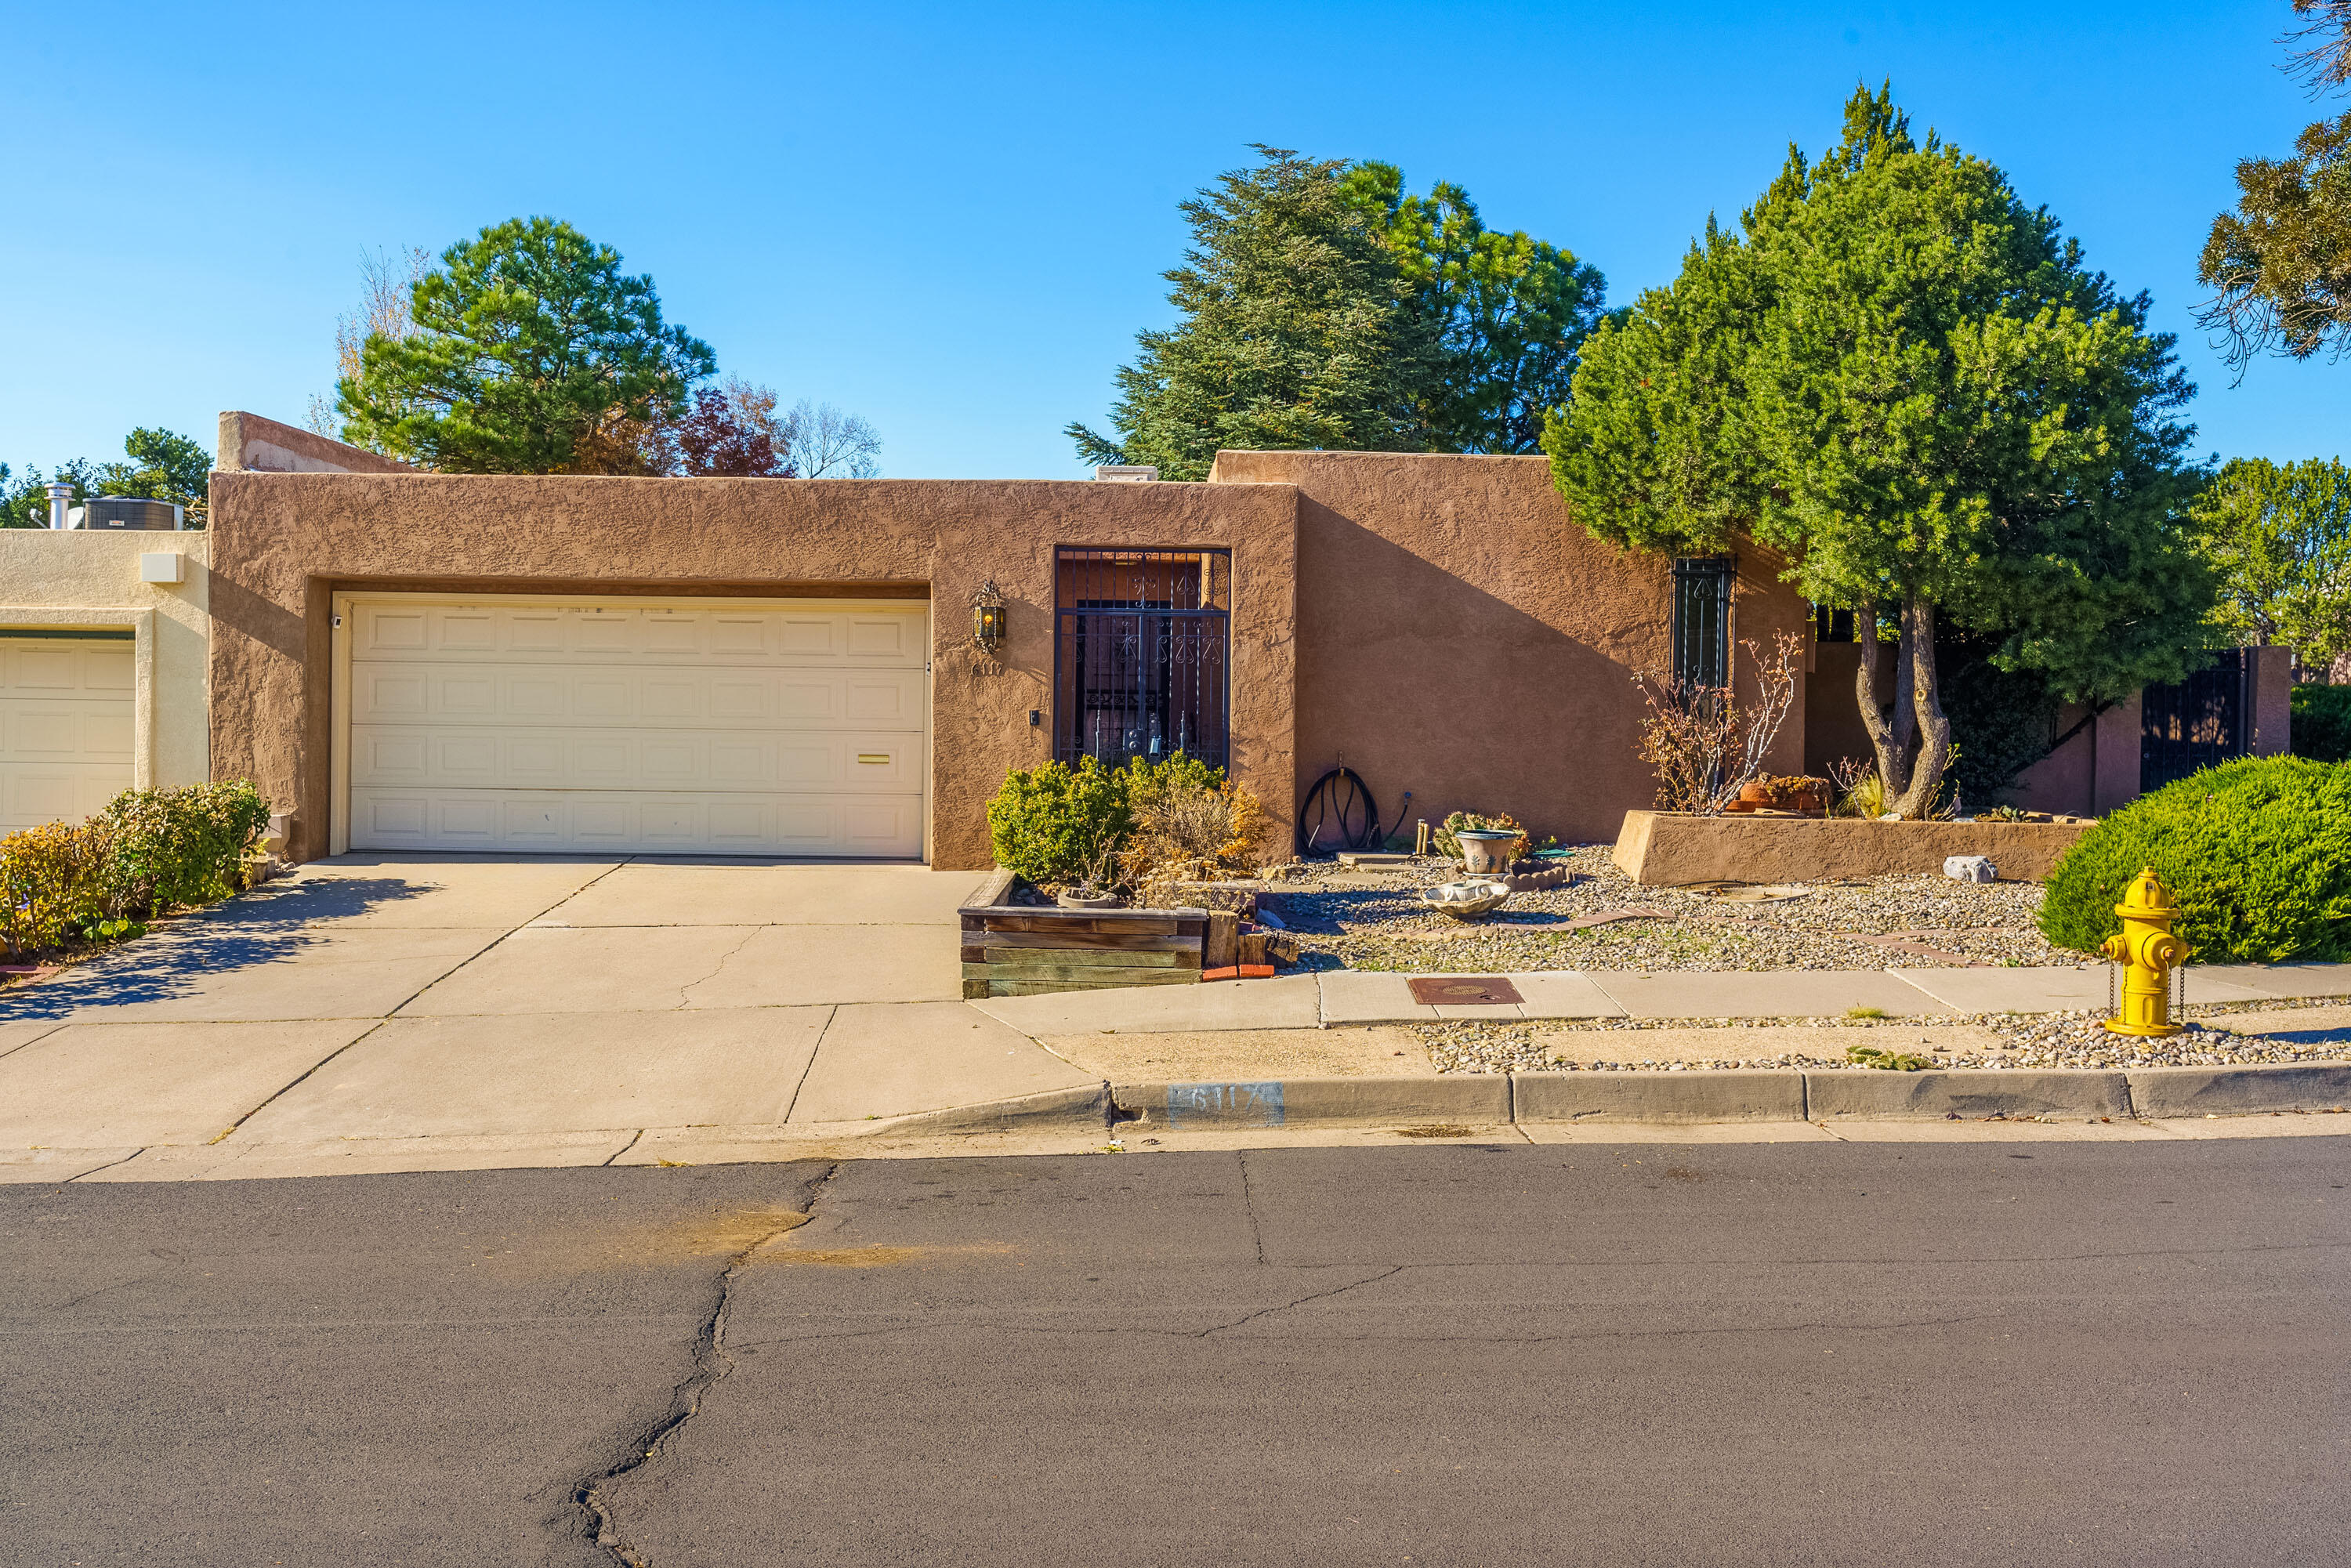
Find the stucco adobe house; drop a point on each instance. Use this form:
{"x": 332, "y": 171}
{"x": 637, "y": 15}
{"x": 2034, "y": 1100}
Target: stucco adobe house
{"x": 511, "y": 662}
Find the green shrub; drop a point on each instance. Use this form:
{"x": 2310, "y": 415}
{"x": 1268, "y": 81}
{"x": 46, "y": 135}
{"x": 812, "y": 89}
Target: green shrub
{"x": 175, "y": 848}
{"x": 149, "y": 851}
{"x": 1057, "y": 824}
{"x": 2257, "y": 854}
{"x": 2321, "y": 723}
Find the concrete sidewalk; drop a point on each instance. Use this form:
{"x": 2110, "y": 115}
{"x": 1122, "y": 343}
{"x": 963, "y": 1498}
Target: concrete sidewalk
{"x": 1357, "y": 997}
{"x": 397, "y": 1012}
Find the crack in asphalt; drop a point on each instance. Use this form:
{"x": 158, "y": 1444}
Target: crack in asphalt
{"x": 1249, "y": 1203}
{"x": 593, "y": 1512}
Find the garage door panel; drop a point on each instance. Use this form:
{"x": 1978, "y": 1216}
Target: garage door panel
{"x": 67, "y": 728}
{"x": 656, "y": 633}
{"x": 670, "y": 698}
{"x": 717, "y": 761}
{"x": 742, "y": 728}
{"x": 836, "y": 824}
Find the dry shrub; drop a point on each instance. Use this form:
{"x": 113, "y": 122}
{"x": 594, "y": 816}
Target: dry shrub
{"x": 1190, "y": 826}
{"x": 1860, "y": 792}
{"x": 1704, "y": 743}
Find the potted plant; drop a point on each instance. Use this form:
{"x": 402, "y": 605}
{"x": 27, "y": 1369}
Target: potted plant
{"x": 1486, "y": 844}
{"x": 1096, "y": 887}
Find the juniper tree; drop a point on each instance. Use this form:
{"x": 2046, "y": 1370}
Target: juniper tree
{"x": 1906, "y": 382}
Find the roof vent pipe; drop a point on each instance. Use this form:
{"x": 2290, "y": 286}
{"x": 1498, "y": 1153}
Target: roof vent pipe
{"x": 61, "y": 497}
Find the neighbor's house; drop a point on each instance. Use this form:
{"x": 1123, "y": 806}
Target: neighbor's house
{"x": 510, "y": 663}
{"x": 103, "y": 665}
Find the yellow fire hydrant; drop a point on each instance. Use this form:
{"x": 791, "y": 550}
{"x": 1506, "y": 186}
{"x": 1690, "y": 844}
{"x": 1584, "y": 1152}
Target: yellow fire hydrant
{"x": 2146, "y": 949}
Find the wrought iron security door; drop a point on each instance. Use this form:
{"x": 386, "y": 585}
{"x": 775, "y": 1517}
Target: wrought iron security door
{"x": 2198, "y": 723}
{"x": 1142, "y": 648}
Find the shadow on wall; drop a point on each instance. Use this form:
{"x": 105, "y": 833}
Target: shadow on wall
{"x": 1417, "y": 678}
{"x": 266, "y": 925}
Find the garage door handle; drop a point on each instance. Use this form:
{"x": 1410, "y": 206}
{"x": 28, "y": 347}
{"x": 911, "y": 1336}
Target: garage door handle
{"x": 872, "y": 756}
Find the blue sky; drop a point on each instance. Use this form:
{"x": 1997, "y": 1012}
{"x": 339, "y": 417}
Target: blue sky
{"x": 952, "y": 219}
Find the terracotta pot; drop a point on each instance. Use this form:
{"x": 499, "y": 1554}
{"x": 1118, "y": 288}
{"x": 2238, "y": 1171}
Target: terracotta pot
{"x": 1755, "y": 792}
{"x": 1808, "y": 801}
{"x": 1485, "y": 849}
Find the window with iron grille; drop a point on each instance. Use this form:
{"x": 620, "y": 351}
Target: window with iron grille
{"x": 1142, "y": 648}
{"x": 1702, "y": 620}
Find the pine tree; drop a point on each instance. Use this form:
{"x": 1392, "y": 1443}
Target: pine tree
{"x": 530, "y": 352}
{"x": 1299, "y": 330}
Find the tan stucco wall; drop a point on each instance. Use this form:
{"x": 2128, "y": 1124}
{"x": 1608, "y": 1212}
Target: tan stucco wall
{"x": 266, "y": 445}
{"x": 71, "y": 579}
{"x": 284, "y": 543}
{"x": 1664, "y": 849}
{"x": 1461, "y": 637}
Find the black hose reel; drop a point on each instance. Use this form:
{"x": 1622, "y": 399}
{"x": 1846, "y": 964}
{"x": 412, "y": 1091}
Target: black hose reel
{"x": 1338, "y": 814}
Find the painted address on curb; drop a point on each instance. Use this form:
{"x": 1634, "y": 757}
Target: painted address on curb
{"x": 1225, "y": 1105}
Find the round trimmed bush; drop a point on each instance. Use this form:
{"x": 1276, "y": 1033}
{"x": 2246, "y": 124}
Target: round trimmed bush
{"x": 2257, "y": 854}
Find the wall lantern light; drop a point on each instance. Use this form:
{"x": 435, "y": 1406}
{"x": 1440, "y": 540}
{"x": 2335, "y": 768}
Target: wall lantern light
{"x": 987, "y": 617}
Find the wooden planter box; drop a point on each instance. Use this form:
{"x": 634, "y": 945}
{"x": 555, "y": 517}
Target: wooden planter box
{"x": 1012, "y": 950}
{"x": 1667, "y": 848}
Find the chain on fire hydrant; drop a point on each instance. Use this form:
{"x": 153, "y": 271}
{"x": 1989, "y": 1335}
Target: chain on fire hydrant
{"x": 2146, "y": 949}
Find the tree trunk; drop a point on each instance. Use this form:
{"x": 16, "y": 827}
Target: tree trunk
{"x": 1891, "y": 743}
{"x": 1934, "y": 729}
{"x": 1905, "y": 717}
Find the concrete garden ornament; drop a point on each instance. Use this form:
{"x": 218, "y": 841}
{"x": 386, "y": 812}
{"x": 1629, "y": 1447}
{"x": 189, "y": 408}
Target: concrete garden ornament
{"x": 1471, "y": 900}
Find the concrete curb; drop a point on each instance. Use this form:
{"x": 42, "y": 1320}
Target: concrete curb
{"x": 1477, "y": 1098}
{"x": 1860, "y": 1094}
{"x": 1054, "y": 1108}
{"x": 2003, "y": 1091}
{"x": 2239, "y": 1091}
{"x": 1657, "y": 1096}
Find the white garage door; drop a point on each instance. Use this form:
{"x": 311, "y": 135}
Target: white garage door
{"x": 66, "y": 726}
{"x": 648, "y": 726}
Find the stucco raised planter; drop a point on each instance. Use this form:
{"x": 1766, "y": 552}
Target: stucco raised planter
{"x": 1667, "y": 848}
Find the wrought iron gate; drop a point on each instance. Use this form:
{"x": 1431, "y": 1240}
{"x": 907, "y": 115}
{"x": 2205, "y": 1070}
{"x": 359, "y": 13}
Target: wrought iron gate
{"x": 2195, "y": 724}
{"x": 1141, "y": 655}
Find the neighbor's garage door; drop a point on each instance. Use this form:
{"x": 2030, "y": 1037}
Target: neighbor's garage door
{"x": 66, "y": 726}
{"x": 654, "y": 727}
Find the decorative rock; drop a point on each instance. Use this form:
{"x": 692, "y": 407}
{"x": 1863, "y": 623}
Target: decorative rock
{"x": 1970, "y": 868}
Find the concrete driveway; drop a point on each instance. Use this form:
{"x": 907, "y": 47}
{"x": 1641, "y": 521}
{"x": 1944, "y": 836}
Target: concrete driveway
{"x": 528, "y": 1011}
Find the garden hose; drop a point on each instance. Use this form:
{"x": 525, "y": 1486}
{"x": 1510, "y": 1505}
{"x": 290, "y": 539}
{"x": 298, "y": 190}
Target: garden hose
{"x": 1339, "y": 800}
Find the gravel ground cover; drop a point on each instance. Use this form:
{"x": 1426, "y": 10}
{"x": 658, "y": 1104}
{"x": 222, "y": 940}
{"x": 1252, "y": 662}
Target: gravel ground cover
{"x": 2027, "y": 1039}
{"x": 1371, "y": 918}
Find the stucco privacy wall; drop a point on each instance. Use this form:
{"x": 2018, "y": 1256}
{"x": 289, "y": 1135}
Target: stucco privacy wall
{"x": 284, "y": 543}
{"x": 73, "y": 580}
{"x": 1461, "y": 637}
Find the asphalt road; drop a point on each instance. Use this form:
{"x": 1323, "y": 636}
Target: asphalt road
{"x": 1761, "y": 1355}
